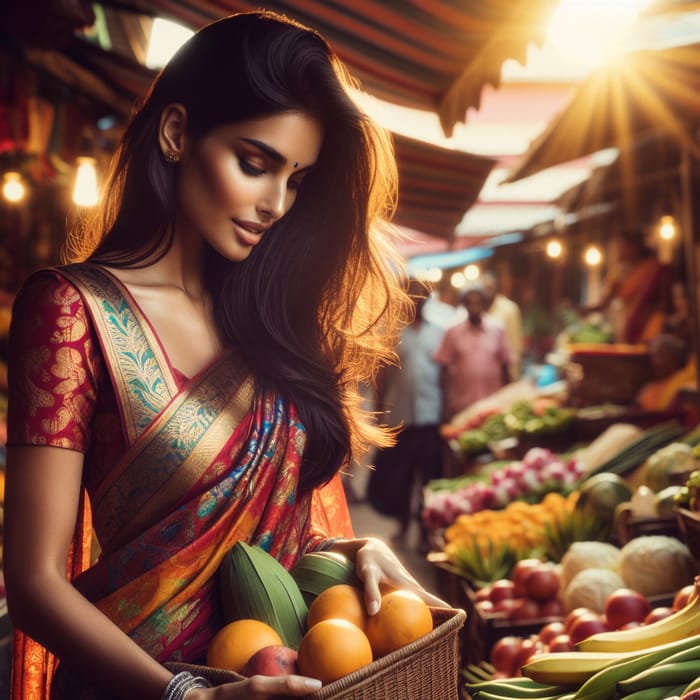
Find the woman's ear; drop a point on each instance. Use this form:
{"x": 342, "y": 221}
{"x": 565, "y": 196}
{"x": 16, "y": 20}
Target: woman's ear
{"x": 172, "y": 131}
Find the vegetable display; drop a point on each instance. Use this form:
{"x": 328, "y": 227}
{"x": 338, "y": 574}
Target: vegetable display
{"x": 659, "y": 659}
{"x": 523, "y": 418}
{"x": 538, "y": 473}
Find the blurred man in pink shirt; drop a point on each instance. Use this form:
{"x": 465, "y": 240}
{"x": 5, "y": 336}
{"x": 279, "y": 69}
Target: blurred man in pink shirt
{"x": 474, "y": 356}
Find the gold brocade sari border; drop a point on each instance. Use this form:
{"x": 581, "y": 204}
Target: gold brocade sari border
{"x": 179, "y": 432}
{"x": 133, "y": 353}
{"x": 171, "y": 456}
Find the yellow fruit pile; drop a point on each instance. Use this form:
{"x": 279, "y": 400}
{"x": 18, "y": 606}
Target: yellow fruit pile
{"x": 519, "y": 524}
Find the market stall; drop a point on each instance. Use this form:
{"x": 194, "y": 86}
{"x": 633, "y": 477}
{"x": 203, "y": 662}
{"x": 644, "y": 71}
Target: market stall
{"x": 623, "y": 495}
{"x": 648, "y": 96}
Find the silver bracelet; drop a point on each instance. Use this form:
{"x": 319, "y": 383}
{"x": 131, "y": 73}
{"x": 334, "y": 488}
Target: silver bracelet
{"x": 181, "y": 683}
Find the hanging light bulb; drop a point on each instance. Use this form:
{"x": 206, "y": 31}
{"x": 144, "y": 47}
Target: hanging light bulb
{"x": 668, "y": 231}
{"x": 13, "y": 187}
{"x": 554, "y": 249}
{"x": 593, "y": 257}
{"x": 667, "y": 227}
{"x": 85, "y": 192}
{"x": 457, "y": 280}
{"x": 471, "y": 272}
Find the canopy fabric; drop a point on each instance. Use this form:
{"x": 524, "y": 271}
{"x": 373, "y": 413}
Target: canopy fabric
{"x": 428, "y": 54}
{"x": 644, "y": 92}
{"x": 436, "y": 185}
{"x": 645, "y": 176}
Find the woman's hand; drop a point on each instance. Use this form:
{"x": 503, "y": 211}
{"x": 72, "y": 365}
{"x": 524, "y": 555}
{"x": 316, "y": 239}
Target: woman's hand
{"x": 376, "y": 563}
{"x": 258, "y": 688}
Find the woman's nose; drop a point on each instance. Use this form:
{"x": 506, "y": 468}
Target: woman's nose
{"x": 274, "y": 202}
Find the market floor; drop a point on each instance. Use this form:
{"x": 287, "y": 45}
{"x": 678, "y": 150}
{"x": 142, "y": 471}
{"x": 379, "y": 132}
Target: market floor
{"x": 367, "y": 522}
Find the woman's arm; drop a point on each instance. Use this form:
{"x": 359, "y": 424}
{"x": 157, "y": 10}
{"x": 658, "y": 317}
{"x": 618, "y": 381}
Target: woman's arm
{"x": 41, "y": 505}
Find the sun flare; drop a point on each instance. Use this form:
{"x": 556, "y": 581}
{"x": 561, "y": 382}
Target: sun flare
{"x": 591, "y": 32}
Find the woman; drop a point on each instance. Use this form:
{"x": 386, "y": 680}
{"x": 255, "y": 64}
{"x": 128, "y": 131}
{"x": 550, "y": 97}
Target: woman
{"x": 193, "y": 382}
{"x": 634, "y": 291}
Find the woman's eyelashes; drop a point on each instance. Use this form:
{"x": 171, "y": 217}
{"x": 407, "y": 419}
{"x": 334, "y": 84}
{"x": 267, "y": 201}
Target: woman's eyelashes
{"x": 254, "y": 169}
{"x": 250, "y": 168}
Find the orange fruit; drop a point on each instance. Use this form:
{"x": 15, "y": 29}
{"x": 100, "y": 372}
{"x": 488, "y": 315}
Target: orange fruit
{"x": 402, "y": 618}
{"x": 237, "y": 641}
{"x": 332, "y": 648}
{"x": 341, "y": 600}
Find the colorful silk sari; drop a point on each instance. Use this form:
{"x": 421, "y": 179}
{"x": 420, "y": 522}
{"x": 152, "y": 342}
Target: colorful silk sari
{"x": 207, "y": 462}
{"x": 663, "y": 394}
{"x": 638, "y": 291}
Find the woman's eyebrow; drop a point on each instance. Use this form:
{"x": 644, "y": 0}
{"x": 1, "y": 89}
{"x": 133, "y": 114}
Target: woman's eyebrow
{"x": 267, "y": 150}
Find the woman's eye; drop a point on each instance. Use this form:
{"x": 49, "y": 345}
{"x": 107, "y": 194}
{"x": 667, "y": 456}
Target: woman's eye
{"x": 250, "y": 168}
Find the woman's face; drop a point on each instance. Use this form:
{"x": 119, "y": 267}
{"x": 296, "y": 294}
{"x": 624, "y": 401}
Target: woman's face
{"x": 240, "y": 178}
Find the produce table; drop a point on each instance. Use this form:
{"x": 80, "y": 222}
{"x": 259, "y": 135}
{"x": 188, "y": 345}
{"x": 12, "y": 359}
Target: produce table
{"x": 588, "y": 424}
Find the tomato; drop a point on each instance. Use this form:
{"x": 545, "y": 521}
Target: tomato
{"x": 573, "y": 615}
{"x": 682, "y": 597}
{"x": 521, "y": 569}
{"x": 527, "y": 609}
{"x": 527, "y": 650}
{"x": 552, "y": 608}
{"x": 541, "y": 583}
{"x": 501, "y": 589}
{"x": 506, "y": 606}
{"x": 504, "y": 651}
{"x": 659, "y": 613}
{"x": 562, "y": 642}
{"x": 550, "y": 630}
{"x": 586, "y": 625}
{"x": 625, "y": 605}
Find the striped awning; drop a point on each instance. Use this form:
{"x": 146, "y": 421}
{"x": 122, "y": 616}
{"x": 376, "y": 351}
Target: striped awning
{"x": 428, "y": 54}
{"x": 408, "y": 51}
{"x": 436, "y": 185}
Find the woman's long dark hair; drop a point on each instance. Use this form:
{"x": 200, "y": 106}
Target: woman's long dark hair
{"x": 316, "y": 307}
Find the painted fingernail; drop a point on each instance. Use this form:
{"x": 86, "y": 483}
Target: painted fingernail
{"x": 373, "y": 608}
{"x": 312, "y": 683}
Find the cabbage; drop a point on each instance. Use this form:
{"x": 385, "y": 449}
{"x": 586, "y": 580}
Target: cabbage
{"x": 587, "y": 555}
{"x": 659, "y": 468}
{"x": 590, "y": 588}
{"x": 656, "y": 565}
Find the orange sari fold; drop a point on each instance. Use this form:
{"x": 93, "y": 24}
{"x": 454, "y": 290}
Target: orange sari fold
{"x": 638, "y": 291}
{"x": 205, "y": 465}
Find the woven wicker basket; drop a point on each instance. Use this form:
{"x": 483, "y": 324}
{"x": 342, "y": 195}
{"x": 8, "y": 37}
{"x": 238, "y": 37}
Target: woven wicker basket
{"x": 427, "y": 668}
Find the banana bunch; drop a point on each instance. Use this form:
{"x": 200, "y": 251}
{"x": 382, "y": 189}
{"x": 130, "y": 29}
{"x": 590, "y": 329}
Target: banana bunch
{"x": 662, "y": 671}
{"x": 659, "y": 673}
{"x": 255, "y": 585}
{"x": 521, "y": 687}
{"x": 316, "y": 571}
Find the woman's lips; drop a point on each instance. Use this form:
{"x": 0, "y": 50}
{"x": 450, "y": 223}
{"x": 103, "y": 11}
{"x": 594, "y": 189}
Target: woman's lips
{"x": 248, "y": 231}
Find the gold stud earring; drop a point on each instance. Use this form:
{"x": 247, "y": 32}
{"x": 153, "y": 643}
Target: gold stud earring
{"x": 171, "y": 156}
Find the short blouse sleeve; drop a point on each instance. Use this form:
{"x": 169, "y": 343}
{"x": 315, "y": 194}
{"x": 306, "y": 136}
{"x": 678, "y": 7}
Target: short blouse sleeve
{"x": 52, "y": 364}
